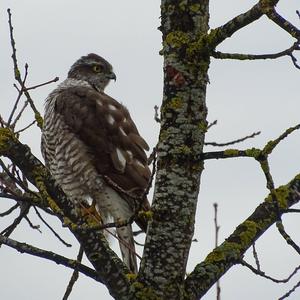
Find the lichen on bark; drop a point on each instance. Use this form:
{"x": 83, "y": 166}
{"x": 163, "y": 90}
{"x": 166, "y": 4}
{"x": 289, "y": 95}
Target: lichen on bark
{"x": 179, "y": 149}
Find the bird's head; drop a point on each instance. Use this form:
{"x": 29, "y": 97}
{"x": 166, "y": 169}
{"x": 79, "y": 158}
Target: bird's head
{"x": 94, "y": 69}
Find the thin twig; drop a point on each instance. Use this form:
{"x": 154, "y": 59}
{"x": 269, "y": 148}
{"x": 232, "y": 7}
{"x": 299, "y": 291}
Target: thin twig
{"x": 272, "y": 144}
{"x": 24, "y": 209}
{"x": 42, "y": 84}
{"x": 294, "y": 60}
{"x": 35, "y": 227}
{"x": 10, "y": 210}
{"x": 18, "y": 74}
{"x": 16, "y": 172}
{"x": 232, "y": 142}
{"x": 17, "y": 118}
{"x": 293, "y": 210}
{"x": 283, "y": 23}
{"x": 253, "y": 152}
{"x": 255, "y": 255}
{"x": 287, "y": 237}
{"x": 156, "y": 117}
{"x": 239, "y": 56}
{"x": 212, "y": 124}
{"x": 12, "y": 177}
{"x": 2, "y": 122}
{"x": 262, "y": 274}
{"x": 74, "y": 276}
{"x": 137, "y": 243}
{"x": 19, "y": 96}
{"x": 51, "y": 229}
{"x": 26, "y": 127}
{"x": 217, "y": 228}
{"x": 293, "y": 289}
{"x": 137, "y": 232}
{"x": 13, "y": 45}
{"x": 14, "y": 197}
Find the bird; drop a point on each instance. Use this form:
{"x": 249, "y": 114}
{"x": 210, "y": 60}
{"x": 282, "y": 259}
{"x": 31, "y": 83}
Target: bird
{"x": 93, "y": 149}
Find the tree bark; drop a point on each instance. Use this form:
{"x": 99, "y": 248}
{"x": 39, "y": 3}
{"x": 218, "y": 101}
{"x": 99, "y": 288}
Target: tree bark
{"x": 181, "y": 139}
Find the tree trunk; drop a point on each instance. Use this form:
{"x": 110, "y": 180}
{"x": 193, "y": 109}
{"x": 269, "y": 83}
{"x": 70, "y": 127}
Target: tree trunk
{"x": 183, "y": 127}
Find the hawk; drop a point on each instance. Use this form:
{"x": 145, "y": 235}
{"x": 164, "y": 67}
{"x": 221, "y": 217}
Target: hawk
{"x": 93, "y": 149}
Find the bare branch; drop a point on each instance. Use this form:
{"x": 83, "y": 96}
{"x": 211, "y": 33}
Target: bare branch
{"x": 26, "y": 127}
{"x": 286, "y": 236}
{"x": 51, "y": 229}
{"x": 217, "y": 228}
{"x": 35, "y": 227}
{"x": 255, "y": 255}
{"x": 74, "y": 277}
{"x": 14, "y": 51}
{"x": 2, "y": 122}
{"x": 42, "y": 84}
{"x": 212, "y": 124}
{"x": 12, "y": 177}
{"x": 18, "y": 74}
{"x": 239, "y": 56}
{"x": 58, "y": 259}
{"x": 24, "y": 209}
{"x": 283, "y": 23}
{"x": 272, "y": 144}
{"x": 293, "y": 210}
{"x": 17, "y": 118}
{"x": 232, "y": 142}
{"x": 294, "y": 60}
{"x": 218, "y": 35}
{"x": 263, "y": 274}
{"x": 253, "y": 152}
{"x": 9, "y": 211}
{"x": 233, "y": 248}
{"x": 290, "y": 291}
{"x": 156, "y": 117}
{"x": 19, "y": 96}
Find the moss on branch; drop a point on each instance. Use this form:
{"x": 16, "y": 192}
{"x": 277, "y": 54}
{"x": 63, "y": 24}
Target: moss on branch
{"x": 230, "y": 252}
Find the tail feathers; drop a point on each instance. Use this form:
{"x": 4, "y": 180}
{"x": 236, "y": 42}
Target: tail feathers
{"x": 127, "y": 247}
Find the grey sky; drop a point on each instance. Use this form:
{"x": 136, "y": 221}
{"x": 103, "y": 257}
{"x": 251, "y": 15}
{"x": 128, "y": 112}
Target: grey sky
{"x": 243, "y": 96}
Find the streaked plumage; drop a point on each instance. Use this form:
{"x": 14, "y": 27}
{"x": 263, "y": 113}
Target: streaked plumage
{"x": 93, "y": 148}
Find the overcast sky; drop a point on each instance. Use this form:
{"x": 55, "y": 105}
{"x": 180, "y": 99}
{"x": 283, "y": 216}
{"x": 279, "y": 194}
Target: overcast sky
{"x": 243, "y": 96}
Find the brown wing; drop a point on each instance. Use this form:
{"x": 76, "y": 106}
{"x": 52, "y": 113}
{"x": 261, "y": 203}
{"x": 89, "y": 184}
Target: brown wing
{"x": 108, "y": 131}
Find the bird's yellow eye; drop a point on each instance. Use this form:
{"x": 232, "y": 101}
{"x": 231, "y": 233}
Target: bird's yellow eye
{"x": 96, "y": 68}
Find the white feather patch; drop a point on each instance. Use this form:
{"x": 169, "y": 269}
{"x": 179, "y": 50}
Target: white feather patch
{"x": 110, "y": 119}
{"x": 89, "y": 199}
{"x": 129, "y": 153}
{"x": 122, "y": 131}
{"x": 112, "y": 107}
{"x": 121, "y": 157}
{"x": 139, "y": 163}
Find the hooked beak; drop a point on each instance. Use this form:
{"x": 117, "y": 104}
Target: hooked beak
{"x": 112, "y": 75}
